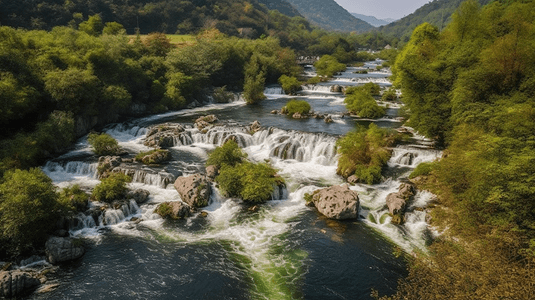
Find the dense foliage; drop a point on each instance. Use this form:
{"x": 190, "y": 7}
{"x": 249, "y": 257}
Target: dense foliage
{"x": 29, "y": 207}
{"x": 328, "y": 65}
{"x": 111, "y": 188}
{"x": 240, "y": 178}
{"x": 297, "y": 106}
{"x": 472, "y": 86}
{"x": 361, "y": 103}
{"x": 364, "y": 153}
{"x": 74, "y": 197}
{"x": 103, "y": 144}
{"x": 227, "y": 154}
{"x": 289, "y": 84}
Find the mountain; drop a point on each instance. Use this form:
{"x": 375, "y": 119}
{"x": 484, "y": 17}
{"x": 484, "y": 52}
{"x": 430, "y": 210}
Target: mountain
{"x": 282, "y": 6}
{"x": 373, "y": 20}
{"x": 329, "y": 15}
{"x": 437, "y": 12}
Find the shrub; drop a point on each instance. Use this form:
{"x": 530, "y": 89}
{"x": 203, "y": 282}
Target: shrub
{"x": 363, "y": 153}
{"x": 164, "y": 210}
{"x": 389, "y": 95}
{"x": 371, "y": 88}
{"x": 227, "y": 154}
{"x": 248, "y": 181}
{"x": 111, "y": 188}
{"x": 74, "y": 198}
{"x": 29, "y": 208}
{"x": 103, "y": 144}
{"x": 362, "y": 103}
{"x": 328, "y": 65}
{"x": 422, "y": 169}
{"x": 155, "y": 156}
{"x": 314, "y": 80}
{"x": 221, "y": 95}
{"x": 300, "y": 106}
{"x": 290, "y": 85}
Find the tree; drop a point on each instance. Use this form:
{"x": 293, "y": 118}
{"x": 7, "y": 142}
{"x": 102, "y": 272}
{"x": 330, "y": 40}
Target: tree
{"x": 28, "y": 210}
{"x": 103, "y": 144}
{"x": 328, "y": 65}
{"x": 290, "y": 85}
{"x": 93, "y": 26}
{"x": 111, "y": 188}
{"x": 253, "y": 88}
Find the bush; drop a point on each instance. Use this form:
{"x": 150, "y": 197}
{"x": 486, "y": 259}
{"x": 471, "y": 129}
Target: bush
{"x": 422, "y": 169}
{"x": 362, "y": 103}
{"x": 363, "y": 153}
{"x": 328, "y": 65}
{"x": 111, "y": 188}
{"x": 227, "y": 154}
{"x": 74, "y": 198}
{"x": 389, "y": 95}
{"x": 314, "y": 80}
{"x": 155, "y": 156}
{"x": 103, "y": 144}
{"x": 29, "y": 208}
{"x": 221, "y": 95}
{"x": 290, "y": 85}
{"x": 248, "y": 181}
{"x": 371, "y": 88}
{"x": 300, "y": 106}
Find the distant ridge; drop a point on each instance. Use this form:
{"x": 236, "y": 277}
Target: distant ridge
{"x": 282, "y": 6}
{"x": 373, "y": 20}
{"x": 329, "y": 15}
{"x": 437, "y": 12}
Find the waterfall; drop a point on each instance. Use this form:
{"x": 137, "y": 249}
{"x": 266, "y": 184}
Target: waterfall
{"x": 317, "y": 88}
{"x": 72, "y": 167}
{"x": 412, "y": 156}
{"x": 273, "y": 91}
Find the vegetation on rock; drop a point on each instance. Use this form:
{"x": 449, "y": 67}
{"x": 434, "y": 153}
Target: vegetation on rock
{"x": 111, "y": 188}
{"x": 364, "y": 153}
{"x": 328, "y": 65}
{"x": 290, "y": 85}
{"x": 296, "y": 106}
{"x": 103, "y": 144}
{"x": 361, "y": 103}
{"x": 155, "y": 156}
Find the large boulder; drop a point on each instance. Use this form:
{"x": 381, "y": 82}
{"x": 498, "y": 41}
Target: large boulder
{"x": 17, "y": 283}
{"x": 205, "y": 121}
{"x": 195, "y": 190}
{"x": 336, "y": 202}
{"x": 106, "y": 164}
{"x": 155, "y": 157}
{"x": 397, "y": 202}
{"x": 174, "y": 210}
{"x": 212, "y": 171}
{"x": 60, "y": 249}
{"x": 255, "y": 127}
{"x": 163, "y": 136}
{"x": 139, "y": 195}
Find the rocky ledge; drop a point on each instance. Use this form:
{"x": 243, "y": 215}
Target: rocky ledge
{"x": 335, "y": 202}
{"x": 397, "y": 202}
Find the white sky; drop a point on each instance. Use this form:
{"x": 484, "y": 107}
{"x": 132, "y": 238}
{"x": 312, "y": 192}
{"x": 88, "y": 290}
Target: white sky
{"x": 382, "y": 9}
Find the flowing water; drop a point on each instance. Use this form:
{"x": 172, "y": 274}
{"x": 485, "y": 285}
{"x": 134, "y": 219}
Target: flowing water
{"x": 284, "y": 250}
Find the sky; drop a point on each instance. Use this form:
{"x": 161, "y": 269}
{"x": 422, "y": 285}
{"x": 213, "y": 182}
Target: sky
{"x": 382, "y": 9}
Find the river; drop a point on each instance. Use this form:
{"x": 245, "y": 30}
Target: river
{"x": 284, "y": 250}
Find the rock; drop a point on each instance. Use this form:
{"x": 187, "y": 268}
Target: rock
{"x": 284, "y": 110}
{"x": 328, "y": 119}
{"x": 396, "y": 203}
{"x": 274, "y": 112}
{"x": 60, "y": 249}
{"x": 203, "y": 214}
{"x": 212, "y": 171}
{"x": 61, "y": 233}
{"x": 17, "y": 283}
{"x": 203, "y": 122}
{"x": 297, "y": 115}
{"x": 156, "y": 157}
{"x": 336, "y": 89}
{"x": 353, "y": 179}
{"x": 255, "y": 127}
{"x": 337, "y": 202}
{"x": 253, "y": 208}
{"x": 195, "y": 190}
{"x": 106, "y": 164}
{"x": 163, "y": 136}
{"x": 139, "y": 195}
{"x": 174, "y": 210}
{"x": 407, "y": 190}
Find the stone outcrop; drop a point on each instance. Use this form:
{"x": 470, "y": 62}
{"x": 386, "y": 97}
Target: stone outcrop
{"x": 174, "y": 210}
{"x": 60, "y": 249}
{"x": 353, "y": 179}
{"x": 336, "y": 202}
{"x": 195, "y": 190}
{"x": 140, "y": 195}
{"x": 163, "y": 136}
{"x": 155, "y": 157}
{"x": 328, "y": 119}
{"x": 211, "y": 172}
{"x": 203, "y": 122}
{"x": 336, "y": 89}
{"x": 255, "y": 127}
{"x": 17, "y": 283}
{"x": 397, "y": 202}
{"x": 106, "y": 164}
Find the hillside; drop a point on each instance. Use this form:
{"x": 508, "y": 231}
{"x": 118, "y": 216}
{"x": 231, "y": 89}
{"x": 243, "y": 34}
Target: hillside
{"x": 168, "y": 16}
{"x": 329, "y": 15}
{"x": 437, "y": 13}
{"x": 282, "y": 6}
{"x": 373, "y": 20}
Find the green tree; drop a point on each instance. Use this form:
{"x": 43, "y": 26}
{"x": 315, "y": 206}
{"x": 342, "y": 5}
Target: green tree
{"x": 111, "y": 188}
{"x": 28, "y": 210}
{"x": 328, "y": 65}
{"x": 290, "y": 85}
{"x": 103, "y": 144}
{"x": 113, "y": 28}
{"x": 253, "y": 88}
{"x": 93, "y": 26}
{"x": 228, "y": 154}
{"x": 361, "y": 103}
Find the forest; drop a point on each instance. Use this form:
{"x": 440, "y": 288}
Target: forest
{"x": 471, "y": 87}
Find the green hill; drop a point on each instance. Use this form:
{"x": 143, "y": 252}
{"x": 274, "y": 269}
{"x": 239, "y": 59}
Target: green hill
{"x": 282, "y": 6}
{"x": 437, "y": 12}
{"x": 329, "y": 15}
